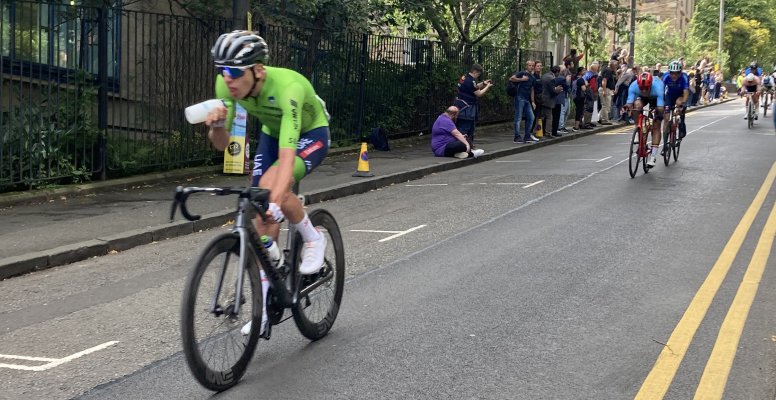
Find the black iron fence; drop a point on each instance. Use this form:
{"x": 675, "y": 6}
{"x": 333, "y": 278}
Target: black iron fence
{"x": 99, "y": 92}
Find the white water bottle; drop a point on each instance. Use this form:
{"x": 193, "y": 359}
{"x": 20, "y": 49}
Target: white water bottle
{"x": 198, "y": 112}
{"x": 272, "y": 249}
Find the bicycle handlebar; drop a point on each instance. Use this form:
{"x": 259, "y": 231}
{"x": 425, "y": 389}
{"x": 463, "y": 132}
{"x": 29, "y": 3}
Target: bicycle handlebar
{"x": 257, "y": 197}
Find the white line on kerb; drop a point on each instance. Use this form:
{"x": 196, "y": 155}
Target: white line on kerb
{"x": 52, "y": 362}
{"x": 533, "y": 184}
{"x": 401, "y": 233}
{"x": 427, "y": 184}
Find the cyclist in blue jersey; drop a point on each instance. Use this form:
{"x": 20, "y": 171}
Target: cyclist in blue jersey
{"x": 677, "y": 91}
{"x": 753, "y": 68}
{"x": 645, "y": 90}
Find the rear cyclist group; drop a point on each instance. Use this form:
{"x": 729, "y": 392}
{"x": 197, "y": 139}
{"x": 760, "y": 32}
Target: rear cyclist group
{"x": 672, "y": 91}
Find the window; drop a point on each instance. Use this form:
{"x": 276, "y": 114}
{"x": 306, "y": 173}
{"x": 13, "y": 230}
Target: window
{"x": 48, "y": 41}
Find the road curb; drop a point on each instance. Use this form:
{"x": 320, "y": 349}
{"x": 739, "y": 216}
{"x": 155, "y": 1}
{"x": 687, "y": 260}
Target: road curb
{"x": 19, "y": 265}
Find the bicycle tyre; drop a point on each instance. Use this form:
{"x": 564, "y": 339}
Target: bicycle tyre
{"x": 633, "y": 166}
{"x": 667, "y": 144}
{"x": 311, "y": 329}
{"x": 765, "y": 105}
{"x": 675, "y": 146}
{"x": 647, "y": 148}
{"x": 750, "y": 114}
{"x": 219, "y": 380}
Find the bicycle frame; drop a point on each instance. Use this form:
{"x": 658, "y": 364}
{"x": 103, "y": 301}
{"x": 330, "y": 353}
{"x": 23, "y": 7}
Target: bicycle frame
{"x": 252, "y": 201}
{"x": 645, "y": 121}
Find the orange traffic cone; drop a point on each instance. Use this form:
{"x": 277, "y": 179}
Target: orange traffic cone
{"x": 539, "y": 129}
{"x": 363, "y": 163}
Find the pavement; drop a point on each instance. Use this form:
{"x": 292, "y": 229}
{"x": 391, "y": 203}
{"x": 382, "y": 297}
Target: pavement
{"x": 46, "y": 228}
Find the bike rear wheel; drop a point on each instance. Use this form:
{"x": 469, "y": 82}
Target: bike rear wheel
{"x": 210, "y": 328}
{"x": 667, "y": 144}
{"x": 633, "y": 162}
{"x": 765, "y": 104}
{"x": 646, "y": 148}
{"x": 318, "y": 306}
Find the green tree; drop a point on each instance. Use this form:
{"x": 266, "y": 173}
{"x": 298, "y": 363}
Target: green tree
{"x": 745, "y": 39}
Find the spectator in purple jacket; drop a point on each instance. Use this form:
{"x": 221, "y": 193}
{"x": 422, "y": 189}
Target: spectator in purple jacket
{"x": 447, "y": 141}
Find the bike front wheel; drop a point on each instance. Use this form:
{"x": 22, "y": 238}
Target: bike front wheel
{"x": 217, "y": 353}
{"x": 750, "y": 114}
{"x": 320, "y": 294}
{"x": 633, "y": 161}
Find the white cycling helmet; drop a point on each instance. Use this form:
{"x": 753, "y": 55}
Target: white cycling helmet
{"x": 750, "y": 77}
{"x": 674, "y": 66}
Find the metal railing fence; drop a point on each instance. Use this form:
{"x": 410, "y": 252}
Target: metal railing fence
{"x": 99, "y": 92}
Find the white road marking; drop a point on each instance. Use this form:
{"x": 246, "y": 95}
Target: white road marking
{"x": 395, "y": 233}
{"x": 427, "y": 184}
{"x": 512, "y": 183}
{"x": 401, "y": 233}
{"x": 372, "y": 231}
{"x": 604, "y": 159}
{"x": 533, "y": 184}
{"x": 51, "y": 362}
{"x": 475, "y": 183}
{"x": 582, "y": 159}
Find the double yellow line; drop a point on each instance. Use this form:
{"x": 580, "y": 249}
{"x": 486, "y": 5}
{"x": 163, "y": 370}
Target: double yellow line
{"x": 715, "y": 375}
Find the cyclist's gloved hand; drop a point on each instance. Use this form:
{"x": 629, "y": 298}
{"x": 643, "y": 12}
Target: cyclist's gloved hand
{"x": 276, "y": 213}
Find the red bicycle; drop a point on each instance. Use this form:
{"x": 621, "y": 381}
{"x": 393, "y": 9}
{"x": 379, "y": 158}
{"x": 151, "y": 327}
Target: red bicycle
{"x": 641, "y": 142}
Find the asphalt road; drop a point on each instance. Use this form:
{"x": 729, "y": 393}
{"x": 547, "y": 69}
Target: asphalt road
{"x": 546, "y": 275}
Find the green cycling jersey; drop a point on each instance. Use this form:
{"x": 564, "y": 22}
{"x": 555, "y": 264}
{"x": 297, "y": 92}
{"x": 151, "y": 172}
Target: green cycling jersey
{"x": 287, "y": 106}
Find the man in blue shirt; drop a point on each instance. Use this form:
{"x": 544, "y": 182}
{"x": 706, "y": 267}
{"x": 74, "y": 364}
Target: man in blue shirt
{"x": 466, "y": 101}
{"x": 524, "y": 102}
{"x": 677, "y": 91}
{"x": 644, "y": 90}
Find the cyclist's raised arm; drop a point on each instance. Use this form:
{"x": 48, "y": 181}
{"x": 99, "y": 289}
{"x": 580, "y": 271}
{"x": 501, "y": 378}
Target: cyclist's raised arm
{"x": 220, "y": 118}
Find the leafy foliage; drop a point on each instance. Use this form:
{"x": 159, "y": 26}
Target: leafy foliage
{"x": 745, "y": 39}
{"x": 50, "y": 142}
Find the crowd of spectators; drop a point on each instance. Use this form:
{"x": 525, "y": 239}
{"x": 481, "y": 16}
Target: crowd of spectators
{"x": 547, "y": 99}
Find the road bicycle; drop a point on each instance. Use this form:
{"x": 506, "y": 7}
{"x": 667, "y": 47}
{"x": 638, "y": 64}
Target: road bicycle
{"x": 641, "y": 141}
{"x": 671, "y": 143}
{"x": 767, "y": 100}
{"x": 750, "y": 110}
{"x": 217, "y": 302}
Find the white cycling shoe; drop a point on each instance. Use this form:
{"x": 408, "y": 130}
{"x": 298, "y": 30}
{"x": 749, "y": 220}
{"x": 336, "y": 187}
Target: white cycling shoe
{"x": 246, "y": 329}
{"x": 312, "y": 256}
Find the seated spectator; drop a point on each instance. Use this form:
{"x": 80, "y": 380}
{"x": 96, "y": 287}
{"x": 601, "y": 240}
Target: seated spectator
{"x": 447, "y": 141}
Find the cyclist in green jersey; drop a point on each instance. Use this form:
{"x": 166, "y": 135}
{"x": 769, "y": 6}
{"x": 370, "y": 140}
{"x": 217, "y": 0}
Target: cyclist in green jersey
{"x": 294, "y": 136}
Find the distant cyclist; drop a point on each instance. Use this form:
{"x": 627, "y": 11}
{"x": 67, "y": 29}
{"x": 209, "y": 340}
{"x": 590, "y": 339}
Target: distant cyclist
{"x": 751, "y": 85}
{"x": 677, "y": 91}
{"x": 755, "y": 69}
{"x": 644, "y": 90}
